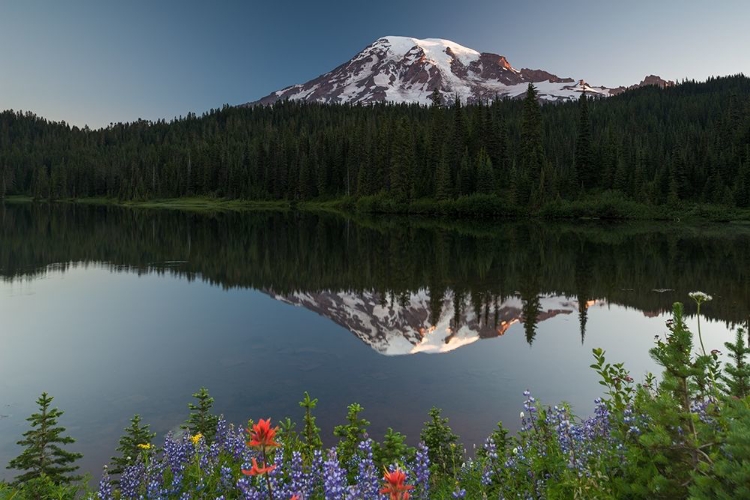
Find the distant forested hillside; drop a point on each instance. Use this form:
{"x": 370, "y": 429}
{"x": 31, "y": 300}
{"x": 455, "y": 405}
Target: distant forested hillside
{"x": 653, "y": 146}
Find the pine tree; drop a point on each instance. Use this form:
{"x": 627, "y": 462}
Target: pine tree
{"x": 436, "y": 98}
{"x": 584, "y": 156}
{"x": 402, "y": 162}
{"x": 201, "y": 421}
{"x": 737, "y": 376}
{"x": 485, "y": 178}
{"x": 43, "y": 454}
{"x": 310, "y": 431}
{"x": 137, "y": 438}
{"x": 532, "y": 150}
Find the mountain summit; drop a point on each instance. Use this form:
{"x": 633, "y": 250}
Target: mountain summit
{"x": 407, "y": 70}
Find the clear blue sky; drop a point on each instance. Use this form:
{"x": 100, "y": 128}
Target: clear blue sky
{"x": 96, "y": 61}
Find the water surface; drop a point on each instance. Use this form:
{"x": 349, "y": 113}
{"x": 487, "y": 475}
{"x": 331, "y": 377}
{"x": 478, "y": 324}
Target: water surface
{"x": 116, "y": 312}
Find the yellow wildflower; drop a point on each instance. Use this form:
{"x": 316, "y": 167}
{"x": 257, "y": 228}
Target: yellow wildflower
{"x": 196, "y": 438}
{"x": 145, "y": 446}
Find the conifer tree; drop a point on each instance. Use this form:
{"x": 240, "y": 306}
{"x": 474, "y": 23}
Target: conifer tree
{"x": 138, "y": 437}
{"x": 584, "y": 157}
{"x": 201, "y": 420}
{"x": 532, "y": 151}
{"x": 485, "y": 178}
{"x": 43, "y": 454}
{"x": 436, "y": 98}
{"x": 443, "y": 181}
{"x": 737, "y": 376}
{"x": 402, "y": 162}
{"x": 310, "y": 431}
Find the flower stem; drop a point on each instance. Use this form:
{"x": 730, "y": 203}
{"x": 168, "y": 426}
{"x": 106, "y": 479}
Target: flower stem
{"x": 700, "y": 337}
{"x": 268, "y": 480}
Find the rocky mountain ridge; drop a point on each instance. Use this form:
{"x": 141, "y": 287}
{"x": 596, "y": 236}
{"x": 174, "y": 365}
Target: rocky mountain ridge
{"x": 407, "y": 70}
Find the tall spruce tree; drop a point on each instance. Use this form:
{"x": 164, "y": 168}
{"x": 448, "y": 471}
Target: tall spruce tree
{"x": 138, "y": 438}
{"x": 532, "y": 149}
{"x": 43, "y": 454}
{"x": 485, "y": 177}
{"x": 584, "y": 156}
{"x": 201, "y": 420}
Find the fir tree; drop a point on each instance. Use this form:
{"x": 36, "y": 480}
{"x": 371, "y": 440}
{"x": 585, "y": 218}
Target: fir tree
{"x": 532, "y": 150}
{"x": 485, "y": 178}
{"x": 392, "y": 450}
{"x": 402, "y": 163}
{"x": 443, "y": 181}
{"x": 442, "y": 443}
{"x": 436, "y": 98}
{"x": 201, "y": 420}
{"x": 43, "y": 454}
{"x": 584, "y": 156}
{"x": 737, "y": 376}
{"x": 310, "y": 431}
{"x": 137, "y": 438}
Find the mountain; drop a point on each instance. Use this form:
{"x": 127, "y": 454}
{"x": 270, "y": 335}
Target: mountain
{"x": 409, "y": 326}
{"x": 407, "y": 70}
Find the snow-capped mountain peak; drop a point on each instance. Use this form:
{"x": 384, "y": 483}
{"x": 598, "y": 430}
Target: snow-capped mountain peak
{"x": 403, "y": 69}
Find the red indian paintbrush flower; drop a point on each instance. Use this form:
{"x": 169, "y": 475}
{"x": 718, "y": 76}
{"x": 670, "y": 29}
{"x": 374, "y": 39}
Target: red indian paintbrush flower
{"x": 394, "y": 485}
{"x": 258, "y": 471}
{"x": 262, "y": 435}
{"x": 294, "y": 497}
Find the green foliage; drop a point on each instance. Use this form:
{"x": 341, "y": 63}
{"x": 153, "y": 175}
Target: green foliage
{"x": 201, "y": 420}
{"x": 727, "y": 476}
{"x": 43, "y": 457}
{"x": 310, "y": 432}
{"x": 41, "y": 488}
{"x": 393, "y": 450}
{"x": 351, "y": 434}
{"x": 737, "y": 377}
{"x": 137, "y": 440}
{"x": 616, "y": 379}
{"x": 445, "y": 452}
{"x": 655, "y": 147}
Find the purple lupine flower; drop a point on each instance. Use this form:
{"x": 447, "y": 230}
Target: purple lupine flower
{"x": 315, "y": 478}
{"x": 248, "y": 491}
{"x": 105, "y": 486}
{"x": 334, "y": 478}
{"x": 222, "y": 431}
{"x": 275, "y": 476}
{"x": 130, "y": 480}
{"x": 367, "y": 480}
{"x": 459, "y": 493}
{"x": 177, "y": 452}
{"x": 296, "y": 474}
{"x": 153, "y": 489}
{"x": 226, "y": 477}
{"x": 491, "y": 450}
{"x": 422, "y": 472}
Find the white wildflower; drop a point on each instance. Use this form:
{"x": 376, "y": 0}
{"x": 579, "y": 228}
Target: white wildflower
{"x": 700, "y": 297}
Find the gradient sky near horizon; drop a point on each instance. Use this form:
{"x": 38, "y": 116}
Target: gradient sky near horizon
{"x": 94, "y": 62}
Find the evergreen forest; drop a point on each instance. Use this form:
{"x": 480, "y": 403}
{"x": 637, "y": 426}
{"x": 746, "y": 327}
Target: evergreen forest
{"x": 660, "y": 147}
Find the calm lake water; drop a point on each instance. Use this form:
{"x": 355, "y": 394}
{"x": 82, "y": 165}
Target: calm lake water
{"x": 116, "y": 312}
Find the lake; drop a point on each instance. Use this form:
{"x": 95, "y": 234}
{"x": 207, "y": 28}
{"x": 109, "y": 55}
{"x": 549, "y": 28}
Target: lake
{"x": 122, "y": 311}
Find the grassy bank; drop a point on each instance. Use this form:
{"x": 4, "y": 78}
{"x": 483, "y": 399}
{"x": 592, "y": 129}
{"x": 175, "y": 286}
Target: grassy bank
{"x": 601, "y": 206}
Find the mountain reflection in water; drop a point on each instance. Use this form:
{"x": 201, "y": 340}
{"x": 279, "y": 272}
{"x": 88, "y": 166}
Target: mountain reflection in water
{"x": 122, "y": 311}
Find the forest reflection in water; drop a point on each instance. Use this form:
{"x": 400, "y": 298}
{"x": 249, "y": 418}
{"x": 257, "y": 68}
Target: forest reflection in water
{"x": 121, "y": 311}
